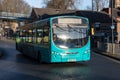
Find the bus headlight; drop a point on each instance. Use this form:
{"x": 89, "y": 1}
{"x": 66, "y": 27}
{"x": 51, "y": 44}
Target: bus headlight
{"x": 62, "y": 46}
{"x": 87, "y": 51}
{"x": 56, "y": 53}
{"x": 63, "y": 54}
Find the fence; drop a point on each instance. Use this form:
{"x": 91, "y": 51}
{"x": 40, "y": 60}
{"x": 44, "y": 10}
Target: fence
{"x": 109, "y": 47}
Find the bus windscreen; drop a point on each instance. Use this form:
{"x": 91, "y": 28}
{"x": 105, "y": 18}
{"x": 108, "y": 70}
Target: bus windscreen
{"x": 70, "y": 34}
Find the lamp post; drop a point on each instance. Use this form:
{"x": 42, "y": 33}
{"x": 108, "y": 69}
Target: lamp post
{"x": 92, "y": 5}
{"x": 112, "y": 27}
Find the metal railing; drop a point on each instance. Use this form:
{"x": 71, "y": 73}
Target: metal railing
{"x": 109, "y": 47}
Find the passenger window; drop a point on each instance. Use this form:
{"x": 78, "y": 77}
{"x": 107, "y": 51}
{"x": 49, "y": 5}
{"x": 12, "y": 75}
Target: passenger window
{"x": 46, "y": 35}
{"x": 23, "y": 36}
{"x": 30, "y": 36}
{"x": 27, "y": 36}
{"x": 39, "y": 35}
{"x": 34, "y": 35}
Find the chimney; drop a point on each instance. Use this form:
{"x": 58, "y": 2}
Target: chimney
{"x": 107, "y": 10}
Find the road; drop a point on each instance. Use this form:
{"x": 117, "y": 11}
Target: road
{"x": 15, "y": 66}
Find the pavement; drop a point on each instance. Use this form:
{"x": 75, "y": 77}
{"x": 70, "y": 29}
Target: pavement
{"x": 112, "y": 55}
{"x": 6, "y": 40}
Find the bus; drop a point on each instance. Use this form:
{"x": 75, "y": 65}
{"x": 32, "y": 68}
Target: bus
{"x": 56, "y": 39}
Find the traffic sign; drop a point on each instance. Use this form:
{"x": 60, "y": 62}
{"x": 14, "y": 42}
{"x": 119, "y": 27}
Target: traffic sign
{"x": 112, "y": 27}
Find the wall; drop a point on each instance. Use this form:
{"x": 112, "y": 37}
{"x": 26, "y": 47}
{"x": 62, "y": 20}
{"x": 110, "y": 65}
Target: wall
{"x": 14, "y": 25}
{"x": 108, "y": 47}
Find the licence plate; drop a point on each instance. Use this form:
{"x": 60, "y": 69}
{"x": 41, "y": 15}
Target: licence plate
{"x": 72, "y": 60}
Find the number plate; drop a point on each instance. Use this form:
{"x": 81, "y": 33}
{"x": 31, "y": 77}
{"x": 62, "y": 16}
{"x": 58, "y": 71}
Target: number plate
{"x": 72, "y": 60}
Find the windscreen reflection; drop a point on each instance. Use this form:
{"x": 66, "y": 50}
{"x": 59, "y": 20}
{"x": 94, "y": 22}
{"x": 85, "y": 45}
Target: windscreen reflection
{"x": 70, "y": 36}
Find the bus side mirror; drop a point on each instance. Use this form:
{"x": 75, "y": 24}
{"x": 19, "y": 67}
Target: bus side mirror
{"x": 92, "y": 31}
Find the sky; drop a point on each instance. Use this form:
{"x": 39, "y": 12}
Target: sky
{"x": 39, "y": 4}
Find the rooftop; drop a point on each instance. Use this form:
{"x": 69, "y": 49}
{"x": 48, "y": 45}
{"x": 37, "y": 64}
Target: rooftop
{"x": 93, "y": 16}
{"x": 8, "y": 14}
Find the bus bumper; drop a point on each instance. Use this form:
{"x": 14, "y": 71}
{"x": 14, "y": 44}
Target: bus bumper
{"x": 70, "y": 58}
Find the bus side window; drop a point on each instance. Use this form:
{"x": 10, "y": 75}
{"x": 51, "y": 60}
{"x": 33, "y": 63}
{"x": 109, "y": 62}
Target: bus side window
{"x": 23, "y": 35}
{"x": 26, "y": 36}
{"x": 30, "y": 36}
{"x": 46, "y": 35}
{"x": 34, "y": 35}
{"x": 39, "y": 36}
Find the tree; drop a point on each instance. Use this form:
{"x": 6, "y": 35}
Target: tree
{"x": 61, "y": 4}
{"x": 89, "y": 8}
{"x": 14, "y": 6}
{"x": 99, "y": 4}
{"x": 0, "y": 5}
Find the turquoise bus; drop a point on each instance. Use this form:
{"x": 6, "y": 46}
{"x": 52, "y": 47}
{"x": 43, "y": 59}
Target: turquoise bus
{"x": 56, "y": 39}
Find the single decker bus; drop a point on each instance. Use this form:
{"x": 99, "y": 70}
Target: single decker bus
{"x": 56, "y": 39}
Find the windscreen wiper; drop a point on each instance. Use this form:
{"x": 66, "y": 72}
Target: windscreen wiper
{"x": 76, "y": 30}
{"x": 60, "y": 28}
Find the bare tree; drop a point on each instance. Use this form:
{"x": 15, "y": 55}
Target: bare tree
{"x": 61, "y": 4}
{"x": 99, "y": 4}
{"x": 89, "y": 7}
{"x": 0, "y": 5}
{"x": 15, "y": 6}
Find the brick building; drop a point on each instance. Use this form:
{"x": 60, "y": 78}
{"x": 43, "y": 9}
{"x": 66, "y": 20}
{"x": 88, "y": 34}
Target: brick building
{"x": 116, "y": 17}
{"x": 9, "y": 22}
{"x": 42, "y": 13}
{"x": 116, "y": 3}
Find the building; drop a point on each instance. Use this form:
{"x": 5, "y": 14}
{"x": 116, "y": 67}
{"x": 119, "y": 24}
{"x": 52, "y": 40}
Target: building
{"x": 10, "y": 21}
{"x": 116, "y": 17}
{"x": 116, "y": 3}
{"x": 8, "y": 26}
{"x": 42, "y": 13}
{"x": 101, "y": 22}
